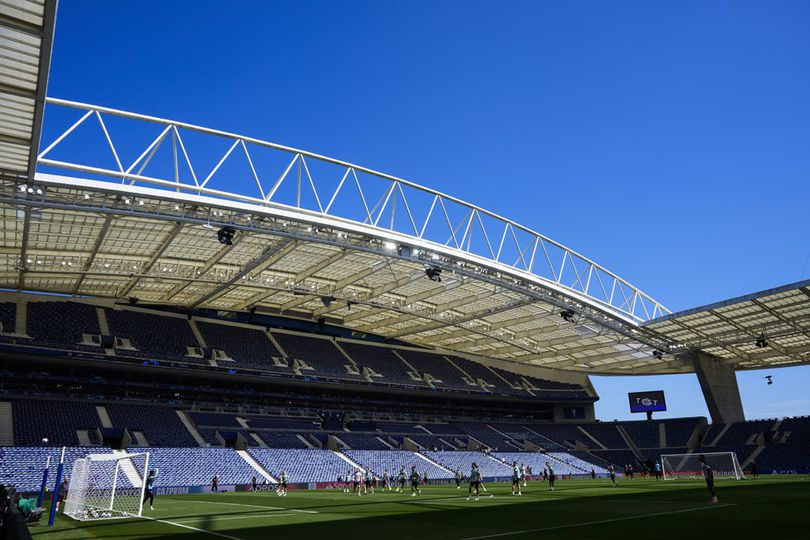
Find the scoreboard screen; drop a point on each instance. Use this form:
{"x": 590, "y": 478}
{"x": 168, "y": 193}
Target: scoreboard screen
{"x": 652, "y": 401}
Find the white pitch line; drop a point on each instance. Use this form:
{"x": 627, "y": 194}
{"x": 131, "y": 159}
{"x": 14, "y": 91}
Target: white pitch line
{"x": 212, "y": 533}
{"x": 250, "y": 506}
{"x": 599, "y": 522}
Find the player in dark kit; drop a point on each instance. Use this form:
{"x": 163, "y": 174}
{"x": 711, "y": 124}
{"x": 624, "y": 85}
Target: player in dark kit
{"x": 149, "y": 488}
{"x": 551, "y": 477}
{"x": 282, "y": 486}
{"x": 475, "y": 482}
{"x": 63, "y": 489}
{"x": 386, "y": 480}
{"x": 708, "y": 475}
{"x": 612, "y": 472}
{"x": 516, "y": 479}
{"x": 215, "y": 484}
{"x": 415, "y": 482}
{"x": 401, "y": 479}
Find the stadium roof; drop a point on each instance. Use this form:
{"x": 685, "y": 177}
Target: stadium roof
{"x": 314, "y": 237}
{"x": 766, "y": 329}
{"x": 155, "y": 211}
{"x": 26, "y": 32}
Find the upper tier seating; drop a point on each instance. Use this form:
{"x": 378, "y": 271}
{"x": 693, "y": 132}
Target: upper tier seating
{"x": 438, "y": 367}
{"x": 154, "y": 336}
{"x": 61, "y": 323}
{"x": 430, "y": 442}
{"x": 787, "y": 452}
{"x": 487, "y": 436}
{"x": 479, "y": 371}
{"x": 8, "y": 317}
{"x": 606, "y": 433}
{"x": 741, "y": 437}
{"x": 442, "y": 429}
{"x": 320, "y": 354}
{"x": 249, "y": 347}
{"x": 280, "y": 439}
{"x": 619, "y": 458}
{"x": 57, "y": 421}
{"x": 563, "y": 435}
{"x": 379, "y": 460}
{"x": 284, "y": 423}
{"x": 383, "y": 361}
{"x": 161, "y": 425}
{"x": 399, "y": 427}
{"x": 157, "y": 336}
{"x": 209, "y": 419}
{"x": 521, "y": 433}
{"x": 513, "y": 379}
{"x": 644, "y": 434}
{"x": 364, "y": 441}
{"x": 680, "y": 430}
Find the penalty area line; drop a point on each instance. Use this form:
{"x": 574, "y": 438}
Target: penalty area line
{"x": 182, "y": 526}
{"x": 251, "y": 516}
{"x": 252, "y": 506}
{"x": 599, "y": 522}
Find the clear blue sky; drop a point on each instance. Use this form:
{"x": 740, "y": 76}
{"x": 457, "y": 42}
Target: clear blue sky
{"x": 667, "y": 141}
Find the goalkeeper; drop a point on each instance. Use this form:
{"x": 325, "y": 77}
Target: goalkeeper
{"x": 149, "y": 490}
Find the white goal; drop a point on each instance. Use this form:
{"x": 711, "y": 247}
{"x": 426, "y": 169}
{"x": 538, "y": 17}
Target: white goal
{"x": 107, "y": 486}
{"x": 688, "y": 466}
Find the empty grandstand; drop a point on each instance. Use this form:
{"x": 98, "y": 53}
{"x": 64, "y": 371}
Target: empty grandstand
{"x": 315, "y": 318}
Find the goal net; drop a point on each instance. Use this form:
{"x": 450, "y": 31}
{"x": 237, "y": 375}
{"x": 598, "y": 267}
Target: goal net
{"x": 688, "y": 466}
{"x": 107, "y": 486}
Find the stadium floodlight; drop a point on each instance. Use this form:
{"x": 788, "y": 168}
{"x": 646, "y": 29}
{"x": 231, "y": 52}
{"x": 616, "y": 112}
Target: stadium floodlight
{"x": 658, "y": 355}
{"x": 107, "y": 486}
{"x": 769, "y": 378}
{"x": 434, "y": 273}
{"x": 688, "y": 466}
{"x": 761, "y": 341}
{"x": 225, "y": 236}
{"x": 568, "y": 315}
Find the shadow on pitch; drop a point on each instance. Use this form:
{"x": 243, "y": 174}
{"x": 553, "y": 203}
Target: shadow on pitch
{"x": 352, "y": 521}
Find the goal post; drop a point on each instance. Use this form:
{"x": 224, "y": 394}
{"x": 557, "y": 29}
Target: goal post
{"x": 688, "y": 466}
{"x": 107, "y": 486}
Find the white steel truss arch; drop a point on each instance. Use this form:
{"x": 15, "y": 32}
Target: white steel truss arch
{"x": 403, "y": 211}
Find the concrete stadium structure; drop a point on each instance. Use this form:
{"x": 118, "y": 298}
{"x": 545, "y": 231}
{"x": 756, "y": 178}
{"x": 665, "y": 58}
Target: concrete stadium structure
{"x": 137, "y": 209}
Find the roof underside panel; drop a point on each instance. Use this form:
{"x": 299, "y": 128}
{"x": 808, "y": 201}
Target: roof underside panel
{"x": 116, "y": 243}
{"x": 25, "y": 38}
{"x": 771, "y": 328}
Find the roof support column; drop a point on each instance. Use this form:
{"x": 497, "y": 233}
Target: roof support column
{"x": 719, "y": 384}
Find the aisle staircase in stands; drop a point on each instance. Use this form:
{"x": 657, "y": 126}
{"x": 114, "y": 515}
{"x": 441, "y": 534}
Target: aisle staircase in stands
{"x": 262, "y": 472}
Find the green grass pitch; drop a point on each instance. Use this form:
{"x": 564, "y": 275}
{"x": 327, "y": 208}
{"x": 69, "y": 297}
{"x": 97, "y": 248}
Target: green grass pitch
{"x": 768, "y": 508}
